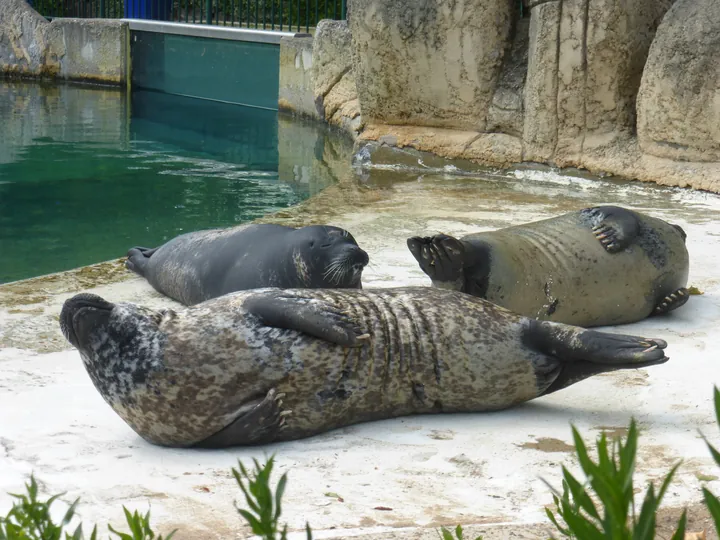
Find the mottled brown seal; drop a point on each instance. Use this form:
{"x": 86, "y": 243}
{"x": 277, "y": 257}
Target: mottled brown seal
{"x": 598, "y": 266}
{"x": 271, "y": 365}
{"x": 200, "y": 265}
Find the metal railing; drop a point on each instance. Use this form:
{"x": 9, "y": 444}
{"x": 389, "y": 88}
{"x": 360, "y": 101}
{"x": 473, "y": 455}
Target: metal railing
{"x": 83, "y": 9}
{"x": 266, "y": 14}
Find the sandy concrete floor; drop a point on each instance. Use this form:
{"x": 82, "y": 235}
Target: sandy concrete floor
{"x": 480, "y": 469}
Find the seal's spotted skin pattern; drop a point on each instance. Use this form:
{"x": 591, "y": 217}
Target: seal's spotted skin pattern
{"x": 197, "y": 266}
{"x": 270, "y": 364}
{"x": 599, "y": 266}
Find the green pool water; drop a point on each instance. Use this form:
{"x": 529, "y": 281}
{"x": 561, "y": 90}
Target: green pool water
{"x": 86, "y": 173}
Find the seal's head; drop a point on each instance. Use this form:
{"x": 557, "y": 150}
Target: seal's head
{"x": 120, "y": 344}
{"x": 328, "y": 257}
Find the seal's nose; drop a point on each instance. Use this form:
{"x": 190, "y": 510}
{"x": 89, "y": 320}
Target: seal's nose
{"x": 361, "y": 258}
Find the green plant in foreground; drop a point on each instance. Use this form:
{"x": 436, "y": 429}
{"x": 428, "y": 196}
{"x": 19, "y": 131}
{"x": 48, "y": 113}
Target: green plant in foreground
{"x": 29, "y": 519}
{"x": 711, "y": 501}
{"x": 139, "y": 526}
{"x": 611, "y": 480}
{"x": 265, "y": 508}
{"x": 447, "y": 535}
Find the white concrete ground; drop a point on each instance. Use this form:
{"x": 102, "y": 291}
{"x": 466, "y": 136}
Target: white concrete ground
{"x": 428, "y": 471}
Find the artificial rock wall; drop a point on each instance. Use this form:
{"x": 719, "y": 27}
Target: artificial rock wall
{"x": 619, "y": 87}
{"x": 92, "y": 50}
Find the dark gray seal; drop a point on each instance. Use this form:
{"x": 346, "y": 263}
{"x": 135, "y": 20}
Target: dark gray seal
{"x": 270, "y": 365}
{"x": 201, "y": 265}
{"x": 598, "y": 266}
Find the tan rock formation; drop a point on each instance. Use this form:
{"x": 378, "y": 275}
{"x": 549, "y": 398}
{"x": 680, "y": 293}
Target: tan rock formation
{"x": 28, "y": 44}
{"x": 679, "y": 99}
{"x": 505, "y": 114}
{"x": 335, "y": 92}
{"x": 585, "y": 64}
{"x": 571, "y": 102}
{"x": 429, "y": 62}
{"x": 72, "y": 49}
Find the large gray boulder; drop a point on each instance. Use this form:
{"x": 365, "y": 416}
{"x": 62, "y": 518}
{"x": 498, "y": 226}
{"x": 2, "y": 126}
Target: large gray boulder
{"x": 585, "y": 64}
{"x": 679, "y": 99}
{"x": 428, "y": 62}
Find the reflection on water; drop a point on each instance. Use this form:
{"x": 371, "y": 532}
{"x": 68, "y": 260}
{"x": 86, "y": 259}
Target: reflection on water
{"x": 84, "y": 174}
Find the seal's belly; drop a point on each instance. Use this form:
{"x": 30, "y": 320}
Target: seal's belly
{"x": 562, "y": 273}
{"x": 472, "y": 362}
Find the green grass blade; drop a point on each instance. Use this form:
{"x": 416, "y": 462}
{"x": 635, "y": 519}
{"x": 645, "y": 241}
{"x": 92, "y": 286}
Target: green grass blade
{"x": 599, "y": 481}
{"x": 255, "y": 524}
{"x": 715, "y": 454}
{"x": 644, "y": 529}
{"x": 279, "y": 491}
{"x": 580, "y": 496}
{"x": 713, "y": 505}
{"x": 579, "y": 525}
{"x": 564, "y": 531}
{"x": 682, "y": 524}
{"x": 446, "y": 535}
{"x": 666, "y": 482}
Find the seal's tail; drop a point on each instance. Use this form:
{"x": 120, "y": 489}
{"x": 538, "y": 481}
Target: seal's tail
{"x": 137, "y": 259}
{"x": 584, "y": 353}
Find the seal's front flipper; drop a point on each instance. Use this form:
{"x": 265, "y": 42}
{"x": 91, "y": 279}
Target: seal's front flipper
{"x": 441, "y": 257}
{"x": 137, "y": 259}
{"x": 314, "y": 317}
{"x": 672, "y": 301}
{"x": 258, "y": 422}
{"x": 615, "y": 227}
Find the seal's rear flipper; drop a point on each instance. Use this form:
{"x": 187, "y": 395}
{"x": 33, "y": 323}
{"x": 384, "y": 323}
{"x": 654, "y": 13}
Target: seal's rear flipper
{"x": 584, "y": 353}
{"x": 137, "y": 259}
{"x": 672, "y": 301}
{"x": 314, "y": 317}
{"x": 577, "y": 371}
{"x": 571, "y": 343}
{"x": 441, "y": 257}
{"x": 258, "y": 422}
{"x": 615, "y": 227}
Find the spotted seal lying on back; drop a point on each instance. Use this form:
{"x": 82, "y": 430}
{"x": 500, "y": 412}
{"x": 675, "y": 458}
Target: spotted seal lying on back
{"x": 598, "y": 266}
{"x": 197, "y": 266}
{"x": 270, "y": 365}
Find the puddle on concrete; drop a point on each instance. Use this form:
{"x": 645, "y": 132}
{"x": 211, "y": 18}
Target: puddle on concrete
{"x": 548, "y": 444}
